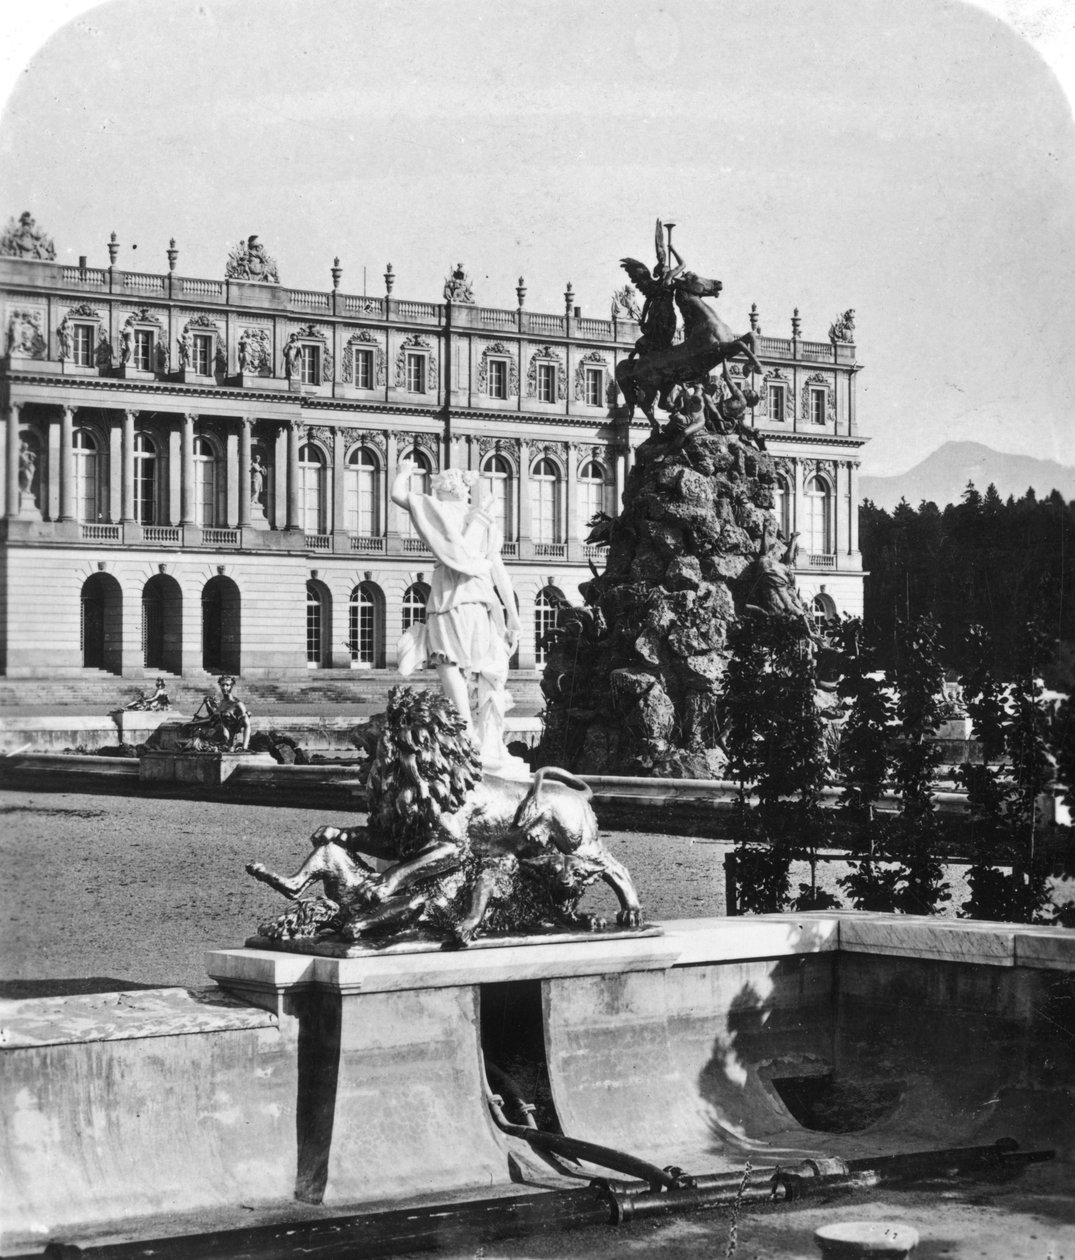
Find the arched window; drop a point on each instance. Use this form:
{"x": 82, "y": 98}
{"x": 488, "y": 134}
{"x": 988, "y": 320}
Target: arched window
{"x": 145, "y": 479}
{"x": 311, "y": 489}
{"x": 782, "y": 506}
{"x": 596, "y": 493}
{"x": 162, "y": 623}
{"x": 362, "y": 514}
{"x": 205, "y": 482}
{"x": 420, "y": 484}
{"x": 822, "y": 608}
{"x": 318, "y": 618}
{"x": 498, "y": 491}
{"x": 414, "y": 604}
{"x": 818, "y": 515}
{"x": 546, "y": 610}
{"x": 545, "y": 503}
{"x": 102, "y": 623}
{"x": 365, "y": 626}
{"x": 222, "y": 635}
{"x": 84, "y": 447}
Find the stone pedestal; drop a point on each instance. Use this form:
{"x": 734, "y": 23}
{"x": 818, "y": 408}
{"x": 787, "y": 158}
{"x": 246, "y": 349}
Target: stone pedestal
{"x": 206, "y": 769}
{"x": 28, "y": 509}
{"x": 258, "y": 519}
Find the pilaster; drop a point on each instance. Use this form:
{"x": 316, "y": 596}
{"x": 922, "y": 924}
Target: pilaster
{"x": 67, "y": 464}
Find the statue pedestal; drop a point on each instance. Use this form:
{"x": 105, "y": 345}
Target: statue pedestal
{"x": 28, "y": 509}
{"x": 258, "y": 520}
{"x": 207, "y": 769}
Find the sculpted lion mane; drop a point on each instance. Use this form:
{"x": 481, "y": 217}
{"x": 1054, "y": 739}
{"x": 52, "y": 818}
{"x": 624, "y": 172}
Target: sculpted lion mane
{"x": 468, "y": 854}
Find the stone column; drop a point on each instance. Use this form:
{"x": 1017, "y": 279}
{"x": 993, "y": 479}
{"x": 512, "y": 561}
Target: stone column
{"x": 339, "y": 491}
{"x": 391, "y": 458}
{"x": 186, "y": 483}
{"x": 127, "y": 458}
{"x": 618, "y": 475}
{"x": 14, "y": 418}
{"x": 246, "y": 429}
{"x": 853, "y": 500}
{"x": 798, "y": 516}
{"x": 524, "y": 492}
{"x": 67, "y": 464}
{"x": 842, "y": 538}
{"x": 293, "y": 434}
{"x": 571, "y": 490}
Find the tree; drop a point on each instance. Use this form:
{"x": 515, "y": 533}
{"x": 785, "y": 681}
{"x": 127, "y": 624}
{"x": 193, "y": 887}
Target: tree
{"x": 918, "y": 677}
{"x": 864, "y": 764}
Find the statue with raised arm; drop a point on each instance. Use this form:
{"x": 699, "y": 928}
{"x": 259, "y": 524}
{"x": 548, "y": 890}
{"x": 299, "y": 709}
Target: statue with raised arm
{"x": 472, "y": 626}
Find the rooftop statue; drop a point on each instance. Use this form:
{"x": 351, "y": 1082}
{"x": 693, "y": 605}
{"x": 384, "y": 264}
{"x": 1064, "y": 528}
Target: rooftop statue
{"x": 457, "y": 286}
{"x": 249, "y": 261}
{"x": 843, "y": 329}
{"x": 658, "y": 362}
{"x": 22, "y": 238}
{"x": 470, "y": 854}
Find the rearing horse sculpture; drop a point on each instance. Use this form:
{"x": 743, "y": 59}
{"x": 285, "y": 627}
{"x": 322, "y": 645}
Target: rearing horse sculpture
{"x": 707, "y": 341}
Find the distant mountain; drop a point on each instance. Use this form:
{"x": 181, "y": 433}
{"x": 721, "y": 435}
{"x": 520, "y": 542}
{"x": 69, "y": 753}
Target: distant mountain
{"x": 942, "y": 477}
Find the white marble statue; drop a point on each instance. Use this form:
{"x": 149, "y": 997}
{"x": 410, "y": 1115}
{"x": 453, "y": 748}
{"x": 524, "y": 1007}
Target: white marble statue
{"x": 472, "y": 626}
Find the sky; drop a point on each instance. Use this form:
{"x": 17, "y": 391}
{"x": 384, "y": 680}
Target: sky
{"x": 912, "y": 160}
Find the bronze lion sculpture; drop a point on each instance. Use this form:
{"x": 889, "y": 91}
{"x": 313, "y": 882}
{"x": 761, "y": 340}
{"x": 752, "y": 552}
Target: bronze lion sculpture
{"x": 468, "y": 854}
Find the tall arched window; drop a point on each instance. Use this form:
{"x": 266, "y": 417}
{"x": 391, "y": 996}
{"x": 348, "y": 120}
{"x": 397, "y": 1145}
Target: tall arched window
{"x": 414, "y": 604}
{"x": 546, "y": 608}
{"x": 419, "y": 484}
{"x": 84, "y": 448}
{"x": 145, "y": 479}
{"x": 545, "y": 503}
{"x": 362, "y": 514}
{"x": 312, "y": 496}
{"x": 596, "y": 493}
{"x": 205, "y": 482}
{"x": 782, "y": 506}
{"x": 818, "y": 515}
{"x": 365, "y": 626}
{"x": 498, "y": 491}
{"x": 318, "y": 618}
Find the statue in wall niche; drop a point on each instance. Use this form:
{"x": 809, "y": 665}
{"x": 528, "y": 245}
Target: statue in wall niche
{"x": 292, "y": 351}
{"x": 843, "y": 328}
{"x": 650, "y": 374}
{"x": 457, "y": 286}
{"x": 253, "y": 350}
{"x": 63, "y": 339}
{"x": 126, "y": 341}
{"x": 249, "y": 261}
{"x": 472, "y": 626}
{"x": 104, "y": 352}
{"x": 24, "y": 239}
{"x": 185, "y": 345}
{"x": 257, "y": 478}
{"x": 217, "y": 725}
{"x": 470, "y": 855}
{"x": 27, "y": 467}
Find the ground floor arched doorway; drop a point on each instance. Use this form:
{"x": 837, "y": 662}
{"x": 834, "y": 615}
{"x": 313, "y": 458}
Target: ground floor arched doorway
{"x": 221, "y": 626}
{"x": 162, "y": 624}
{"x": 102, "y": 623}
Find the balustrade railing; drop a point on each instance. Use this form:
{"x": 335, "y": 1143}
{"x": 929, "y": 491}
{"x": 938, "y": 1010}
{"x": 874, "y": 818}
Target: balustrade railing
{"x": 817, "y": 351}
{"x": 318, "y": 542}
{"x": 143, "y": 281}
{"x": 364, "y": 306}
{"x": 550, "y": 551}
{"x": 779, "y": 346}
{"x": 309, "y": 297}
{"x": 162, "y": 533}
{"x": 539, "y": 323}
{"x": 415, "y": 546}
{"x": 220, "y": 537}
{"x": 99, "y": 533}
{"x": 818, "y": 560}
{"x": 202, "y": 288}
{"x": 417, "y": 312}
{"x": 84, "y": 275}
{"x": 368, "y": 545}
{"x": 598, "y": 328}
{"x": 510, "y": 549}
{"x": 490, "y": 317}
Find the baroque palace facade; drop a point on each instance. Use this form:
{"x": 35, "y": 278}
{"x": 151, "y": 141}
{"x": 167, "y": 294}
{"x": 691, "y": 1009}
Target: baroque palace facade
{"x": 197, "y": 470}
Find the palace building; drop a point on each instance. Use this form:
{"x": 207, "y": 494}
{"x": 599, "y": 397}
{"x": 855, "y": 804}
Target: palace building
{"x": 197, "y": 470}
